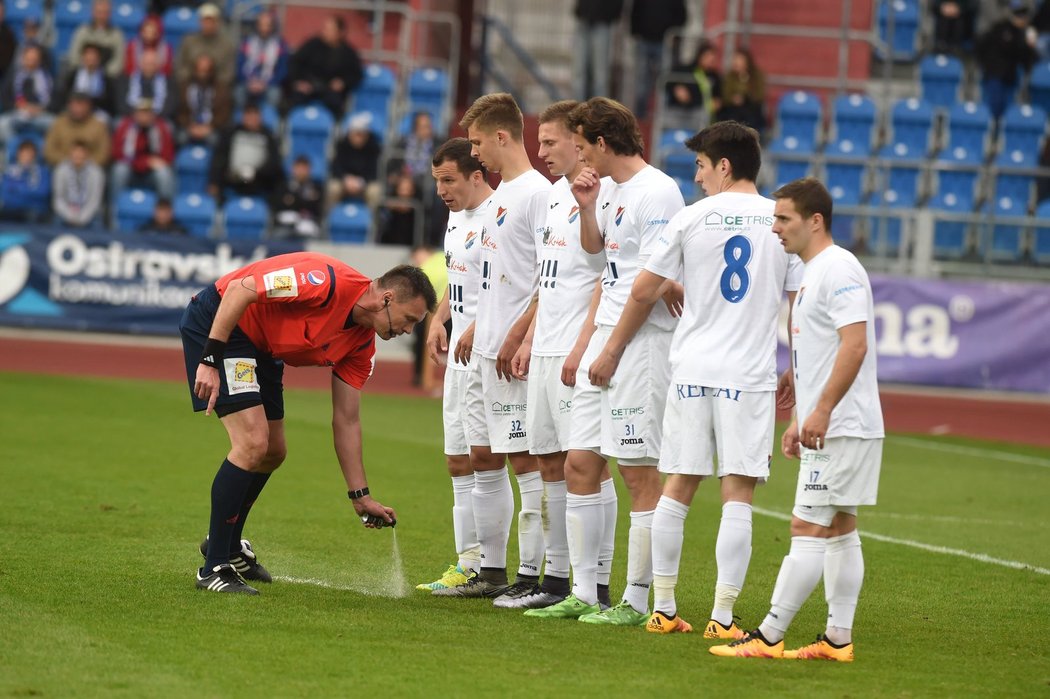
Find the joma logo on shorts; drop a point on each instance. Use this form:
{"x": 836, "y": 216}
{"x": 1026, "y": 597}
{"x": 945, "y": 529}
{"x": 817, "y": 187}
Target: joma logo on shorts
{"x": 814, "y": 486}
{"x": 517, "y": 435}
{"x": 631, "y": 440}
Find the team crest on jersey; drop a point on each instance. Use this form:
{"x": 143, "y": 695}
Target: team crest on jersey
{"x": 469, "y": 242}
{"x": 574, "y": 213}
{"x": 501, "y": 216}
{"x": 619, "y": 214}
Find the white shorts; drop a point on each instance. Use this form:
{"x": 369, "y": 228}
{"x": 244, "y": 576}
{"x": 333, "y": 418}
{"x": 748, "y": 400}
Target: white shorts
{"x": 550, "y": 406}
{"x": 495, "y": 410}
{"x": 844, "y": 474}
{"x": 701, "y": 423}
{"x": 453, "y": 409}
{"x": 623, "y": 420}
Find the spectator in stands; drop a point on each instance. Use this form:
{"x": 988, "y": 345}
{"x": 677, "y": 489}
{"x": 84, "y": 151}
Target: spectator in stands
{"x": 148, "y": 82}
{"x": 592, "y": 58}
{"x": 417, "y": 148}
{"x": 31, "y": 36}
{"x": 101, "y": 32}
{"x": 991, "y": 12}
{"x": 205, "y": 104}
{"x": 211, "y": 41}
{"x": 355, "y": 167}
{"x": 163, "y": 221}
{"x": 247, "y": 159}
{"x": 1041, "y": 25}
{"x": 298, "y": 206}
{"x": 704, "y": 90}
{"x": 650, "y": 21}
{"x": 143, "y": 153}
{"x": 8, "y": 42}
{"x": 953, "y": 24}
{"x": 26, "y": 94}
{"x": 77, "y": 125}
{"x": 325, "y": 69}
{"x": 89, "y": 78}
{"x": 76, "y": 194}
{"x": 25, "y": 189}
{"x": 744, "y": 92}
{"x": 149, "y": 38}
{"x": 1002, "y": 52}
{"x": 399, "y": 214}
{"x": 262, "y": 62}
{"x": 1042, "y": 182}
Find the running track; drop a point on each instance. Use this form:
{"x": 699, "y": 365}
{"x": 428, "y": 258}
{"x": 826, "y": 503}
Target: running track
{"x": 923, "y": 411}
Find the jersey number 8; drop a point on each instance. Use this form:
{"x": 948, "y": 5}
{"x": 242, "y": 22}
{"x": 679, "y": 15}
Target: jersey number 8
{"x": 735, "y": 280}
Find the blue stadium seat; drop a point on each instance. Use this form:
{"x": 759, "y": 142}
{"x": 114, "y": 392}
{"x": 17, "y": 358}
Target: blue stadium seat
{"x": 1039, "y": 86}
{"x": 196, "y": 212}
{"x": 884, "y": 232}
{"x": 949, "y": 236}
{"x": 377, "y": 127}
{"x": 309, "y": 128}
{"x": 798, "y": 114}
{"x": 958, "y": 171}
{"x": 968, "y": 126}
{"x": 901, "y": 172}
{"x": 1041, "y": 243}
{"x": 791, "y": 158}
{"x": 1006, "y": 241}
{"x": 134, "y": 208}
{"x": 178, "y": 22}
{"x": 191, "y": 169}
{"x": 1012, "y": 183}
{"x": 912, "y": 123}
{"x": 349, "y": 222}
{"x": 905, "y": 21}
{"x": 68, "y": 15}
{"x": 854, "y": 121}
{"x": 939, "y": 79}
{"x": 846, "y": 169}
{"x": 678, "y": 161}
{"x": 128, "y": 16}
{"x": 18, "y": 11}
{"x": 376, "y": 92}
{"x": 1023, "y": 127}
{"x": 428, "y": 89}
{"x": 246, "y": 218}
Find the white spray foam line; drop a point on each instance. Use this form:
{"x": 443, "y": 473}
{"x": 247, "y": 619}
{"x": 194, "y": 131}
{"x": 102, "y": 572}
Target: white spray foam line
{"x": 981, "y": 557}
{"x": 378, "y": 591}
{"x": 993, "y": 454}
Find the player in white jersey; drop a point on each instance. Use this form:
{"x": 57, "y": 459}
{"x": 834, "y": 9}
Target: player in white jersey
{"x": 462, "y": 185}
{"x": 621, "y": 420}
{"x": 495, "y": 402}
{"x": 837, "y": 430}
{"x": 720, "y": 404}
{"x": 551, "y": 353}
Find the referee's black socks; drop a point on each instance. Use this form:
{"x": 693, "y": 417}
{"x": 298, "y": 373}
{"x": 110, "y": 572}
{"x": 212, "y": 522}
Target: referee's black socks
{"x": 228, "y": 492}
{"x": 250, "y": 496}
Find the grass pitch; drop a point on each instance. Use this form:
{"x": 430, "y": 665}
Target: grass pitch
{"x": 104, "y": 497}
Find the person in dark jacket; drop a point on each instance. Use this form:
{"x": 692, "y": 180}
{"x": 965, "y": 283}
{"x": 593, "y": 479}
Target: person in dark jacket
{"x": 592, "y": 56}
{"x": 355, "y": 168}
{"x": 703, "y": 88}
{"x": 25, "y": 190}
{"x": 953, "y": 24}
{"x": 650, "y": 21}
{"x": 325, "y": 69}
{"x": 247, "y": 159}
{"x": 89, "y": 77}
{"x": 8, "y": 43}
{"x": 1002, "y": 52}
{"x": 299, "y": 204}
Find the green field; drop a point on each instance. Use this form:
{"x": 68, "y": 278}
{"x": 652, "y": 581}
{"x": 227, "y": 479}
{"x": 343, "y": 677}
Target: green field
{"x": 104, "y": 498}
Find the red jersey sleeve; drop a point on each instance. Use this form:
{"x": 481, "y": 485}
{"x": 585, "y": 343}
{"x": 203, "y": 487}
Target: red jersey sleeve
{"x": 357, "y": 367}
{"x": 293, "y": 278}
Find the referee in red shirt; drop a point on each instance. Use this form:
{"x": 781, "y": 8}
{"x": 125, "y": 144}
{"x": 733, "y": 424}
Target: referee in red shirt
{"x": 301, "y": 309}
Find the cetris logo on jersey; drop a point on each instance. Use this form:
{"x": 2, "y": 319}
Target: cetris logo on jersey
{"x": 574, "y": 213}
{"x": 619, "y": 214}
{"x": 468, "y": 243}
{"x": 501, "y": 216}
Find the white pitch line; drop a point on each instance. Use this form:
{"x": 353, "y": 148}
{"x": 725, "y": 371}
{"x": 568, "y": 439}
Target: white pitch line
{"x": 952, "y": 520}
{"x": 993, "y": 454}
{"x": 983, "y": 558}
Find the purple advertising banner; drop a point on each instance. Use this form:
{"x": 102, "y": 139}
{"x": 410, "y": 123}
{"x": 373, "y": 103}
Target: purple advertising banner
{"x": 989, "y": 335}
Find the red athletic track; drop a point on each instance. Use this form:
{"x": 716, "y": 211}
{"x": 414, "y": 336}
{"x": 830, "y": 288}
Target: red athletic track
{"x": 918, "y": 412}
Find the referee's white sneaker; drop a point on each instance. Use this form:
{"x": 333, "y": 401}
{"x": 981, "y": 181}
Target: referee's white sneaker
{"x": 223, "y": 578}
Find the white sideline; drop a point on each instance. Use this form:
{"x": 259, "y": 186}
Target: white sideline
{"x": 983, "y": 558}
{"x": 970, "y": 451}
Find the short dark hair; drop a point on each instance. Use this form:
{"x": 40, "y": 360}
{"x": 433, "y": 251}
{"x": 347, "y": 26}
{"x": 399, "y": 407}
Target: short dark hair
{"x": 31, "y": 145}
{"x": 736, "y": 142}
{"x": 457, "y": 150}
{"x": 810, "y": 197}
{"x": 162, "y": 203}
{"x": 79, "y": 143}
{"x": 410, "y": 282}
{"x": 558, "y": 113}
{"x": 601, "y": 116}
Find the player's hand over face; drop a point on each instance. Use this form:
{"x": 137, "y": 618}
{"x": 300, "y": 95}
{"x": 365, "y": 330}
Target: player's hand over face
{"x": 465, "y": 346}
{"x": 786, "y": 391}
{"x": 570, "y": 367}
{"x": 366, "y": 506}
{"x": 585, "y": 187}
{"x": 602, "y": 369}
{"x": 789, "y": 442}
{"x": 814, "y": 429}
{"x": 437, "y": 343}
{"x": 519, "y": 365}
{"x": 206, "y": 385}
{"x": 674, "y": 299}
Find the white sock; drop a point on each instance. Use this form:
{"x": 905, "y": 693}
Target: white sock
{"x": 610, "y": 505}
{"x": 799, "y": 574}
{"x": 668, "y": 533}
{"x": 639, "y": 561}
{"x": 530, "y": 524}
{"x": 463, "y": 525}
{"x": 493, "y": 509}
{"x": 732, "y": 556}
{"x": 843, "y": 575}
{"x": 583, "y": 526}
{"x": 557, "y": 564}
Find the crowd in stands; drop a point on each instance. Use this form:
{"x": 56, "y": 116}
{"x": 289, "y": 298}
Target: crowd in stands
{"x": 193, "y": 116}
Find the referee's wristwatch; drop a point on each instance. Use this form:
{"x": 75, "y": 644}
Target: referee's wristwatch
{"x": 357, "y": 494}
